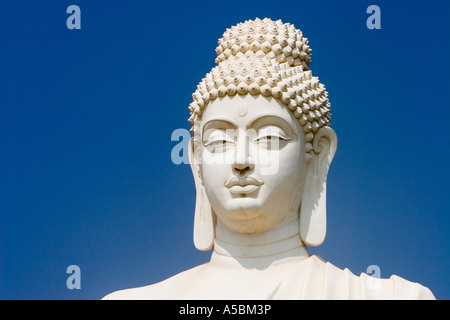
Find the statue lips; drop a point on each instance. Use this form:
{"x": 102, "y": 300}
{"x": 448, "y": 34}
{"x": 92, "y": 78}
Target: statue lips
{"x": 243, "y": 185}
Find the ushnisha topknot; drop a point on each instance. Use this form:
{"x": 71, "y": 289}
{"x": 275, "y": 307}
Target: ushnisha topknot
{"x": 265, "y": 39}
{"x": 270, "y": 58}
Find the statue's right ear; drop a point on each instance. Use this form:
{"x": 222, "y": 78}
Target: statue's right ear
{"x": 204, "y": 219}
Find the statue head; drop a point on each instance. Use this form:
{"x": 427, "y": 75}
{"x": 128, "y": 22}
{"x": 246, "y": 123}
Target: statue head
{"x": 262, "y": 143}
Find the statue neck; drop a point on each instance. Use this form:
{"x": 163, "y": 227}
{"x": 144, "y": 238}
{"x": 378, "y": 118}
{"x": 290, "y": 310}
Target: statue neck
{"x": 259, "y": 250}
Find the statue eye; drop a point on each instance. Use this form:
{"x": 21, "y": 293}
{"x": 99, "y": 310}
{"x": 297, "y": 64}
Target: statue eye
{"x": 271, "y": 138}
{"x": 218, "y": 141}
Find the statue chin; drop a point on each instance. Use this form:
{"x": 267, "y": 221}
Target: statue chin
{"x": 260, "y": 156}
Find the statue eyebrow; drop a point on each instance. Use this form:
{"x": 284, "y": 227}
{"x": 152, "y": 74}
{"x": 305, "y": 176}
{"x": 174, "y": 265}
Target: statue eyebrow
{"x": 219, "y": 123}
{"x": 266, "y": 119}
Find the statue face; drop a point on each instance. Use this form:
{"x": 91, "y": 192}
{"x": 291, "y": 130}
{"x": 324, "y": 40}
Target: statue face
{"x": 253, "y": 165}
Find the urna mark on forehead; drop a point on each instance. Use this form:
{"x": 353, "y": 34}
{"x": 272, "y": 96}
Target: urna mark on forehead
{"x": 242, "y": 110}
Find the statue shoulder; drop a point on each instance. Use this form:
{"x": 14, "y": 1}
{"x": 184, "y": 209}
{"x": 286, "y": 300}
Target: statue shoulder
{"x": 343, "y": 284}
{"x": 408, "y": 290}
{"x": 170, "y": 288}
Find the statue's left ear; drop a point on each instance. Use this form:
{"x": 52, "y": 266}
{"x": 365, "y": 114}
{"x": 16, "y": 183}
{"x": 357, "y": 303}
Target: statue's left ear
{"x": 204, "y": 219}
{"x": 313, "y": 211}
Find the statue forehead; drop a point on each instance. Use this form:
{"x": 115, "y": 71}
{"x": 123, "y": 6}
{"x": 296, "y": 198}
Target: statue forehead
{"x": 242, "y": 109}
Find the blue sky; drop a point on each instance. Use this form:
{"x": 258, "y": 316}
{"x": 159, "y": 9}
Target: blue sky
{"x": 86, "y": 118}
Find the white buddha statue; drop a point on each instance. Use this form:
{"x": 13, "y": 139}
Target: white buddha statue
{"x": 260, "y": 156}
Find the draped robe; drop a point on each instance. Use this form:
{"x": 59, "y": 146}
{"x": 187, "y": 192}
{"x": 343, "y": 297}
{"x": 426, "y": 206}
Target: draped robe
{"x": 288, "y": 278}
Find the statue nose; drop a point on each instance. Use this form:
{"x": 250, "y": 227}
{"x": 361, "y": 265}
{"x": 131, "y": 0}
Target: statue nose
{"x": 243, "y": 167}
{"x": 242, "y": 161}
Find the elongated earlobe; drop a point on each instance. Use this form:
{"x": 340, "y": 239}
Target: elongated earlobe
{"x": 204, "y": 218}
{"x": 313, "y": 211}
